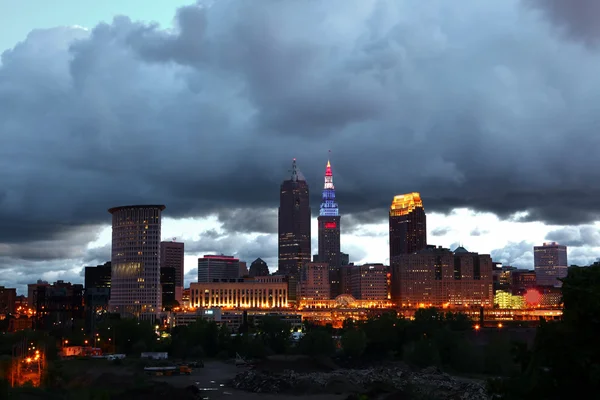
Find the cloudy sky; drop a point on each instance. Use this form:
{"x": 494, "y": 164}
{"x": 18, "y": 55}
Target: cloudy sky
{"x": 490, "y": 109}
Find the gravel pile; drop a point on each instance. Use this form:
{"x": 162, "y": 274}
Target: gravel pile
{"x": 428, "y": 382}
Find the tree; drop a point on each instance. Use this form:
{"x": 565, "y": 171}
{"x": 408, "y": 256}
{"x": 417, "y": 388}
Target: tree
{"x": 317, "y": 342}
{"x": 275, "y": 333}
{"x": 354, "y": 343}
{"x": 566, "y": 354}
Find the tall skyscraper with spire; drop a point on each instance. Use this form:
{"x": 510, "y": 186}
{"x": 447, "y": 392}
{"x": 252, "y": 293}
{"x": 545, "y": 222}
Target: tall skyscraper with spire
{"x": 408, "y": 225}
{"x": 329, "y": 232}
{"x": 294, "y": 224}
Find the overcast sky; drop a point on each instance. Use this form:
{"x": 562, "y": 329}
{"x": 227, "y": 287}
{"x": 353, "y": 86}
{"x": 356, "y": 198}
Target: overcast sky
{"x": 490, "y": 109}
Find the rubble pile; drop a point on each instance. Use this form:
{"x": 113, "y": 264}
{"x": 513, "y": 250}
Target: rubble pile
{"x": 428, "y": 382}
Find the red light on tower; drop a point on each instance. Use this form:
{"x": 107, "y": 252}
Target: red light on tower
{"x": 330, "y": 225}
{"x": 533, "y": 297}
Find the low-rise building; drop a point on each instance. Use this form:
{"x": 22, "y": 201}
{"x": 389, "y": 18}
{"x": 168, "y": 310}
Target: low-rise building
{"x": 239, "y": 293}
{"x": 8, "y": 297}
{"x": 313, "y": 282}
{"x": 369, "y": 282}
{"x": 438, "y": 277}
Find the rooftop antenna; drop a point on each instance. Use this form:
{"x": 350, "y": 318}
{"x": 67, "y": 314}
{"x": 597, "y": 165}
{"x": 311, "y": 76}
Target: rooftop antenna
{"x": 294, "y": 170}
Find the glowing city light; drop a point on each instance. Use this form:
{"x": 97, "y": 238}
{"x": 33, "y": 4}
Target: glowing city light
{"x": 533, "y": 297}
{"x": 403, "y": 204}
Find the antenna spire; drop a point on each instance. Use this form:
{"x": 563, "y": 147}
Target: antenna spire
{"x": 294, "y": 170}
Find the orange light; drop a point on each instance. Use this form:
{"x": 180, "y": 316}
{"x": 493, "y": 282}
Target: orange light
{"x": 66, "y": 342}
{"x": 28, "y": 359}
{"x": 403, "y": 204}
{"x": 500, "y": 325}
{"x": 86, "y": 342}
{"x": 476, "y": 327}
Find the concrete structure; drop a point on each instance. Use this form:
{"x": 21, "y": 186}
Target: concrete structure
{"x": 135, "y": 278}
{"x": 171, "y": 256}
{"x": 185, "y": 298}
{"x": 522, "y": 280}
{"x": 408, "y": 225}
{"x": 239, "y": 293}
{"x": 97, "y": 293}
{"x": 60, "y": 304}
{"x": 369, "y": 282}
{"x": 8, "y": 297}
{"x": 550, "y": 262}
{"x": 216, "y": 267}
{"x": 32, "y": 289}
{"x": 345, "y": 302}
{"x": 243, "y": 270}
{"x": 98, "y": 277}
{"x": 502, "y": 277}
{"x": 233, "y": 319}
{"x": 294, "y": 223}
{"x": 259, "y": 268}
{"x": 313, "y": 282}
{"x": 439, "y": 277}
{"x": 168, "y": 279}
{"x": 329, "y": 232}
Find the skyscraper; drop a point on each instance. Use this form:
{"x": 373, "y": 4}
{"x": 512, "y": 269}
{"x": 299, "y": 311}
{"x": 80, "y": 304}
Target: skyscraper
{"x": 408, "y": 228}
{"x": 216, "y": 267}
{"x": 172, "y": 256}
{"x": 329, "y": 232}
{"x": 135, "y": 274}
{"x": 294, "y": 223}
{"x": 550, "y": 262}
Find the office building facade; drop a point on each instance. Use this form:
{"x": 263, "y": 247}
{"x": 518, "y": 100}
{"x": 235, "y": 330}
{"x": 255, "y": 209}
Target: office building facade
{"x": 438, "y": 277}
{"x": 172, "y": 255}
{"x": 550, "y": 263}
{"x": 135, "y": 274}
{"x": 216, "y": 267}
{"x": 294, "y": 246}
{"x": 408, "y": 225}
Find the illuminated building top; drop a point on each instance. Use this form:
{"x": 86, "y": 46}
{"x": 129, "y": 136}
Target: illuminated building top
{"x": 403, "y": 204}
{"x": 329, "y": 207}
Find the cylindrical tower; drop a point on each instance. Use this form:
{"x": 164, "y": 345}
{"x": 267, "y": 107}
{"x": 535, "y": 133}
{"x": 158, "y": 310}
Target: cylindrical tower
{"x": 135, "y": 275}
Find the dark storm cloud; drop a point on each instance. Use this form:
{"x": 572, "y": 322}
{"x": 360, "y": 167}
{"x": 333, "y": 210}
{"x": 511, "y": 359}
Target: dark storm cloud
{"x": 441, "y": 231}
{"x": 71, "y": 244}
{"x": 245, "y": 247}
{"x": 97, "y": 255}
{"x": 19, "y": 273}
{"x": 207, "y": 117}
{"x": 249, "y": 220}
{"x": 587, "y": 235}
{"x": 578, "y": 18}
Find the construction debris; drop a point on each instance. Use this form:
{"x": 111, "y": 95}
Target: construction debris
{"x": 429, "y": 383}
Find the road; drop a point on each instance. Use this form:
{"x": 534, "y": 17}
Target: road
{"x": 212, "y": 379}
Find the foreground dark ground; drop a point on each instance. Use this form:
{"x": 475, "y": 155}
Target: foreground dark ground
{"x": 279, "y": 377}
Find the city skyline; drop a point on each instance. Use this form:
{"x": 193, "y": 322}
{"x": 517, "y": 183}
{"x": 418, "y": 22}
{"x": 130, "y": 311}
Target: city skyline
{"x": 84, "y": 94}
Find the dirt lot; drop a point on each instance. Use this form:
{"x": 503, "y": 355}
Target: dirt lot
{"x": 212, "y": 379}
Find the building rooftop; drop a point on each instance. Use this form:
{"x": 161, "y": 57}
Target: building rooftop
{"x": 113, "y": 209}
{"x": 403, "y": 204}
